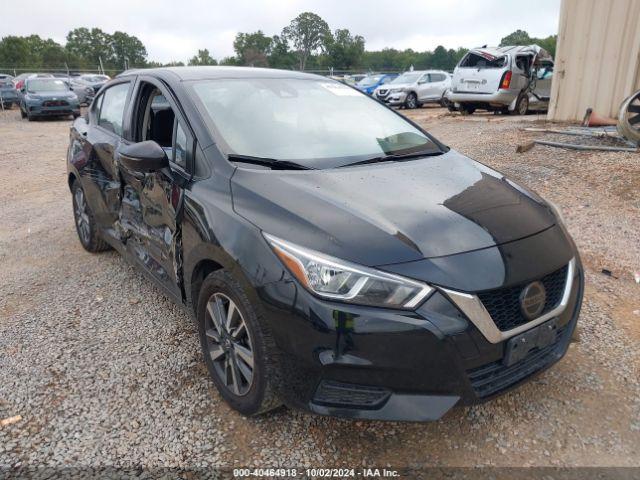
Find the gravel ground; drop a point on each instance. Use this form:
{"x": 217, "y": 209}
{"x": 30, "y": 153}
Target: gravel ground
{"x": 98, "y": 381}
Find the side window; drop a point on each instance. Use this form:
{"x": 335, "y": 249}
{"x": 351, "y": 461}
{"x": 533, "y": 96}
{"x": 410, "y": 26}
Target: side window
{"x": 424, "y": 78}
{"x": 437, "y": 77}
{"x": 111, "y": 113}
{"x": 95, "y": 108}
{"x": 181, "y": 146}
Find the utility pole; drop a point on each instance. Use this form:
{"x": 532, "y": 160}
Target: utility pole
{"x": 101, "y": 65}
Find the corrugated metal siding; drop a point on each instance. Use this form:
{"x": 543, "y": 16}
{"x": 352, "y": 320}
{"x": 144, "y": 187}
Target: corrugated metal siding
{"x": 597, "y": 60}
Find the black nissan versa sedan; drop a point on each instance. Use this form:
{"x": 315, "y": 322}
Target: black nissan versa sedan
{"x": 336, "y": 256}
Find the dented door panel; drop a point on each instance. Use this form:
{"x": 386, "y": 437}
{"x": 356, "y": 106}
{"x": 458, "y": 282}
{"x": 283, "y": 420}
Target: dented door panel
{"x": 147, "y": 223}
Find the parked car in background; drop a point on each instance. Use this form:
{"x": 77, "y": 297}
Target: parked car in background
{"x": 19, "y": 80}
{"x": 46, "y": 97}
{"x": 8, "y": 92}
{"x": 511, "y": 79}
{"x": 369, "y": 83}
{"x": 353, "y": 79}
{"x": 413, "y": 89}
{"x": 343, "y": 262}
{"x": 86, "y": 86}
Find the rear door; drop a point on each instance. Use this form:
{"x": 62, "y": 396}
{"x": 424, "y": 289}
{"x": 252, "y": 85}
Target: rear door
{"x": 95, "y": 161}
{"x": 152, "y": 202}
{"x": 480, "y": 72}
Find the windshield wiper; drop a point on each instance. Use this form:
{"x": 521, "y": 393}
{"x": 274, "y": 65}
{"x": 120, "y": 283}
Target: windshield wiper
{"x": 396, "y": 157}
{"x": 267, "y": 162}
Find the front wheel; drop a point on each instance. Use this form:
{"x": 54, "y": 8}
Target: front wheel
{"x": 411, "y": 101}
{"x": 238, "y": 350}
{"x": 85, "y": 222}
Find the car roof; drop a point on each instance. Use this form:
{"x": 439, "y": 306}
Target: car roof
{"x": 209, "y": 73}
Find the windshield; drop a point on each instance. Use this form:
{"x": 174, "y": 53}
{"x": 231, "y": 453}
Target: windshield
{"x": 305, "y": 121}
{"x": 409, "y": 77}
{"x": 46, "y": 86}
{"x": 369, "y": 81}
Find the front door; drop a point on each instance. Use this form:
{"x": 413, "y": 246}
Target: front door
{"x": 151, "y": 202}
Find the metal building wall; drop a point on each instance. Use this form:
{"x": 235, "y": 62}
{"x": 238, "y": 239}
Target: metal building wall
{"x": 597, "y": 60}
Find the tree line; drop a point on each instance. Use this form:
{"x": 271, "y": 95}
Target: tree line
{"x": 307, "y": 43}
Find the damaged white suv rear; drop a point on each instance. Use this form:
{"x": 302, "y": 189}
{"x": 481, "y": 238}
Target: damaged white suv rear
{"x": 513, "y": 79}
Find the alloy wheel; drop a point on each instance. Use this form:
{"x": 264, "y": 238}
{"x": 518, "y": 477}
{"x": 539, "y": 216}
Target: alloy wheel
{"x": 229, "y": 344}
{"x": 412, "y": 101}
{"x": 82, "y": 216}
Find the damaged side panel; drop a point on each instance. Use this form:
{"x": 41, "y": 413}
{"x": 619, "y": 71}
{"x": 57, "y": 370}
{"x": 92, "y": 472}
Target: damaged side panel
{"x": 148, "y": 225}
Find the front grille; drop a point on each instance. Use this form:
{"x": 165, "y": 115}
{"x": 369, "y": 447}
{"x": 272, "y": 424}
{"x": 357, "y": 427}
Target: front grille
{"x": 55, "y": 103}
{"x": 350, "y": 396}
{"x": 504, "y": 304}
{"x": 494, "y": 377}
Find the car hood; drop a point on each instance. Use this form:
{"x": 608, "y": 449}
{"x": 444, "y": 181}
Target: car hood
{"x": 390, "y": 86}
{"x": 391, "y": 212}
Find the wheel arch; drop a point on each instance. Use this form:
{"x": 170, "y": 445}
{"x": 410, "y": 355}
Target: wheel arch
{"x": 71, "y": 178}
{"x": 200, "y": 271}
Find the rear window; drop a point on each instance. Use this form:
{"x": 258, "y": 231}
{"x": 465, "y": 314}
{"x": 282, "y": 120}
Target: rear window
{"x": 474, "y": 60}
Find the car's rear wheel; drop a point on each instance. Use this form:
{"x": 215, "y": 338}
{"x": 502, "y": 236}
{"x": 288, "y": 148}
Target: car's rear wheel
{"x": 467, "y": 110}
{"x": 85, "y": 222}
{"x": 411, "y": 101}
{"x": 238, "y": 350}
{"x": 522, "y": 105}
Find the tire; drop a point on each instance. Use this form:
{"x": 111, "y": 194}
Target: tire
{"x": 75, "y": 115}
{"x": 467, "y": 110}
{"x": 22, "y": 114}
{"x": 85, "y": 223}
{"x": 522, "y": 105}
{"x": 225, "y": 347}
{"x": 411, "y": 101}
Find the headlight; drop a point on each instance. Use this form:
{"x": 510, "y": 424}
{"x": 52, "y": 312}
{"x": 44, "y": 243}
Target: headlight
{"x": 88, "y": 90}
{"x": 337, "y": 279}
{"x": 396, "y": 90}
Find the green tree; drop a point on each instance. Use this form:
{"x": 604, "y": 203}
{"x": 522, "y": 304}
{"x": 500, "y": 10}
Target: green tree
{"x": 203, "y": 58}
{"x": 280, "y": 55}
{"x": 91, "y": 46}
{"x": 16, "y": 52}
{"x": 345, "y": 50}
{"x": 308, "y": 34}
{"x": 253, "y": 49}
{"x": 127, "y": 48}
{"x": 519, "y": 37}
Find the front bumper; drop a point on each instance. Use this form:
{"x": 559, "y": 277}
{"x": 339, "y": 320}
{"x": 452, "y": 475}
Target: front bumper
{"x": 393, "y": 99}
{"x": 372, "y": 363}
{"x": 9, "y": 96}
{"x": 51, "y": 111}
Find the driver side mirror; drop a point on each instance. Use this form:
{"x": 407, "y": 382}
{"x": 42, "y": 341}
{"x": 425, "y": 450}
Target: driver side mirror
{"x": 143, "y": 157}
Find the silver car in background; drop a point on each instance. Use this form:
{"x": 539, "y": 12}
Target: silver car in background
{"x": 512, "y": 79}
{"x": 415, "y": 88}
{"x": 87, "y": 85}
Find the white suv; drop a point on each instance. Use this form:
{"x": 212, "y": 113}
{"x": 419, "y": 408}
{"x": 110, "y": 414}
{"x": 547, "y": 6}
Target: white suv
{"x": 413, "y": 89}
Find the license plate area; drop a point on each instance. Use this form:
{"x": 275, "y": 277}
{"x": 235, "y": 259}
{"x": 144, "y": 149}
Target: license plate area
{"x": 520, "y": 346}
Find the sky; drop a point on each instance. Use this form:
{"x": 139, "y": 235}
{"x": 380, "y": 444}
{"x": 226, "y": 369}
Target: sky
{"x": 176, "y": 29}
